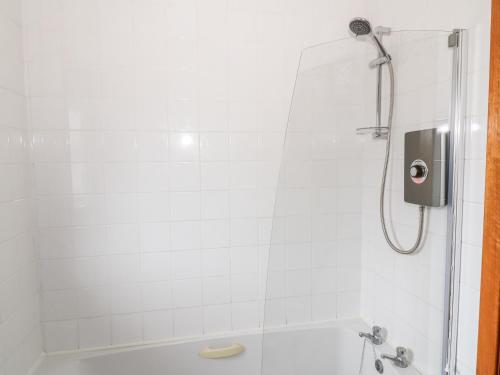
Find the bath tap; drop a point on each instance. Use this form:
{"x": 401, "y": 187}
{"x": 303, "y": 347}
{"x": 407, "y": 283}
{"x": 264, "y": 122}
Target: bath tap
{"x": 400, "y": 359}
{"x": 375, "y": 337}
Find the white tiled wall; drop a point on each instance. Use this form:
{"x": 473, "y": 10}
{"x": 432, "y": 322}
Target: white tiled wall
{"x": 315, "y": 255}
{"x": 474, "y": 196}
{"x": 405, "y": 294}
{"x": 475, "y": 16}
{"x": 20, "y": 339}
{"x": 157, "y": 130}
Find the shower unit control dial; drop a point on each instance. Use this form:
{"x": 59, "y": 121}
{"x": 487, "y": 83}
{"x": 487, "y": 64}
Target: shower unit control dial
{"x": 418, "y": 171}
{"x": 426, "y": 167}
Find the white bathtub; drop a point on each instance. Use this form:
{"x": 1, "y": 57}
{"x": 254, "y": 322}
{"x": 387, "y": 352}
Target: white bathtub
{"x": 327, "y": 349}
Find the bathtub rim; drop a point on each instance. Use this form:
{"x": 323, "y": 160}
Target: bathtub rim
{"x": 352, "y": 325}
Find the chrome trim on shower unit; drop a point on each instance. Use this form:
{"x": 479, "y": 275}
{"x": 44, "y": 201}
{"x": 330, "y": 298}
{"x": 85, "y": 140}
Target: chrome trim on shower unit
{"x": 457, "y": 41}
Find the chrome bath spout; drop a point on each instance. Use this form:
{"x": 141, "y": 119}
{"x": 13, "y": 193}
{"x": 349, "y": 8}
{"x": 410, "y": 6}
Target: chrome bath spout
{"x": 400, "y": 359}
{"x": 375, "y": 337}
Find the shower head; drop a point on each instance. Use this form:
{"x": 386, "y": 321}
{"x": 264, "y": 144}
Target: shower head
{"x": 360, "y": 26}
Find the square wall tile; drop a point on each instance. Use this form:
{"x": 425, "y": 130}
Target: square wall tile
{"x": 127, "y": 329}
{"x": 61, "y": 335}
{"x": 94, "y": 332}
{"x": 158, "y": 325}
{"x": 188, "y": 322}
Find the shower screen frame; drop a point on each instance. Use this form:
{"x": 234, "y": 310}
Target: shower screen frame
{"x": 458, "y": 40}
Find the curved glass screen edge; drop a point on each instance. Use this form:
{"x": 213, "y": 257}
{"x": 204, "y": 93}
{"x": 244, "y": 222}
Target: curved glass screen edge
{"x": 321, "y": 164}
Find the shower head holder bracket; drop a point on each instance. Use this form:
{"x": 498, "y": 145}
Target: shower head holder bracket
{"x": 377, "y": 132}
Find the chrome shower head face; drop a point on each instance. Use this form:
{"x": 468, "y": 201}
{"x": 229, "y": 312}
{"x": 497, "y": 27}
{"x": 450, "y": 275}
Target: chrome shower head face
{"x": 360, "y": 26}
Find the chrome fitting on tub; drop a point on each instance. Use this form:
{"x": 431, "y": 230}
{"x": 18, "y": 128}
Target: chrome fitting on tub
{"x": 375, "y": 337}
{"x": 400, "y": 359}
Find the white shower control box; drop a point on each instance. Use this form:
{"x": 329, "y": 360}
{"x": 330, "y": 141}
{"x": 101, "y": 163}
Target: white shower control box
{"x": 426, "y": 167}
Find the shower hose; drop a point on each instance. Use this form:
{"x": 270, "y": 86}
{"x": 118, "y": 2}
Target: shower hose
{"x": 362, "y": 359}
{"x": 421, "y": 209}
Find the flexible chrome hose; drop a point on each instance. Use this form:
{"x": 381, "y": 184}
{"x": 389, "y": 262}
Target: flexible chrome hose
{"x": 361, "y": 361}
{"x": 421, "y": 209}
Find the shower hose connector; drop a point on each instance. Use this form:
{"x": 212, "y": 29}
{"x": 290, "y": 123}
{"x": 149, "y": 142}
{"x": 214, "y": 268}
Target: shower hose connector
{"x": 375, "y": 337}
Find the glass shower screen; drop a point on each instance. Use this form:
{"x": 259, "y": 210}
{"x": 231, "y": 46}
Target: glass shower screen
{"x": 330, "y": 271}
